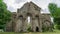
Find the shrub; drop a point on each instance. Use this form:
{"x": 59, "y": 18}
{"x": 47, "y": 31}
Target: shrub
{"x": 58, "y": 27}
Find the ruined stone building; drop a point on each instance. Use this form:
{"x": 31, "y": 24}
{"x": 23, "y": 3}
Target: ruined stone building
{"x": 38, "y": 21}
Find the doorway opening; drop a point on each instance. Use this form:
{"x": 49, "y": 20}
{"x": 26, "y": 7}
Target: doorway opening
{"x": 37, "y": 29}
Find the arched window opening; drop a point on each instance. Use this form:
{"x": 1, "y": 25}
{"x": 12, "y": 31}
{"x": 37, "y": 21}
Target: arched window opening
{"x": 28, "y": 19}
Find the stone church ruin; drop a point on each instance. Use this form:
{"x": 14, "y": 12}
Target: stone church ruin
{"x": 38, "y": 21}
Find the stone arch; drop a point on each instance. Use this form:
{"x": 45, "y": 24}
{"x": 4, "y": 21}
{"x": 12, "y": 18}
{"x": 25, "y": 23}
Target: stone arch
{"x": 20, "y": 16}
{"x": 46, "y": 25}
{"x": 50, "y": 25}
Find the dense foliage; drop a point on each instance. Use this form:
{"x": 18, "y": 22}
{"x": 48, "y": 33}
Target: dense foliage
{"x": 52, "y": 7}
{"x": 4, "y": 14}
{"x": 55, "y": 13}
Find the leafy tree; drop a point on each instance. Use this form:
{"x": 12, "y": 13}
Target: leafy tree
{"x": 55, "y": 13}
{"x": 4, "y": 14}
{"x": 52, "y": 7}
{"x": 57, "y": 16}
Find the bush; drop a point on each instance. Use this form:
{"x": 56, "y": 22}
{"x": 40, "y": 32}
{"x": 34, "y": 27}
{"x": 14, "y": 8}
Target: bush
{"x": 58, "y": 27}
{"x": 29, "y": 29}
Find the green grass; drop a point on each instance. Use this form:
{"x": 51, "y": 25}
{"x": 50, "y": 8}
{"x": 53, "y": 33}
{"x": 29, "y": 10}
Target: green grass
{"x": 55, "y": 32}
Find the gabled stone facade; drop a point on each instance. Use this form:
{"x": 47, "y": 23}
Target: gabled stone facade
{"x": 37, "y": 20}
